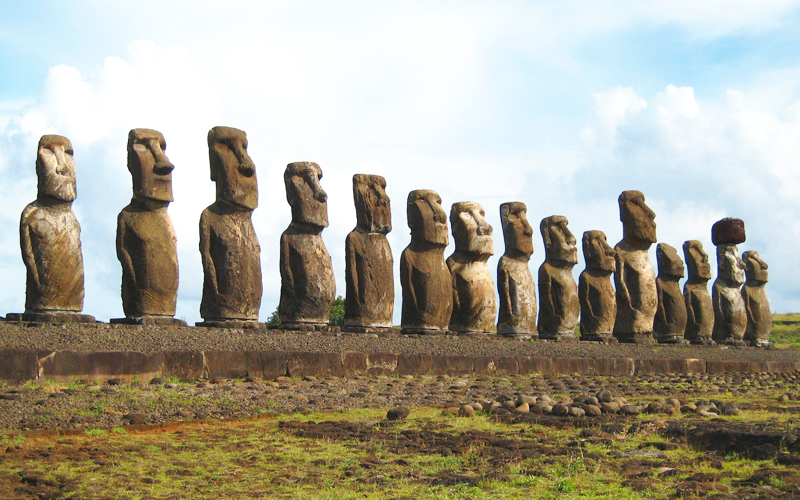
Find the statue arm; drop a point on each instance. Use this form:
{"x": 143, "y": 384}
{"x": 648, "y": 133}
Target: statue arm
{"x": 27, "y": 248}
{"x": 583, "y": 297}
{"x": 505, "y": 291}
{"x": 351, "y": 268}
{"x": 406, "y": 282}
{"x": 623, "y": 296}
{"x": 546, "y": 292}
{"x": 122, "y": 253}
{"x": 287, "y": 277}
{"x": 209, "y": 269}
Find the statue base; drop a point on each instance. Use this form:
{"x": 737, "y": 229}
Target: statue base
{"x": 148, "y": 320}
{"x": 425, "y": 331}
{"x": 57, "y": 317}
{"x": 561, "y": 337}
{"x": 731, "y": 342}
{"x": 672, "y": 339}
{"x": 233, "y": 323}
{"x": 702, "y": 341}
{"x": 518, "y": 335}
{"x": 370, "y": 329}
{"x": 479, "y": 335}
{"x": 603, "y": 338}
{"x": 635, "y": 338}
{"x": 310, "y": 327}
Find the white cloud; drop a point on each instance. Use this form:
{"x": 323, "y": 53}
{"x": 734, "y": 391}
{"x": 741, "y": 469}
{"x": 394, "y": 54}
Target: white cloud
{"x": 697, "y": 162}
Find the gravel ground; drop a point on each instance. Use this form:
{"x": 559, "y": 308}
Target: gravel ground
{"x": 106, "y": 337}
{"x": 51, "y": 406}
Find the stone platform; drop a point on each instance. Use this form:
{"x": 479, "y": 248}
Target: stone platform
{"x": 103, "y": 351}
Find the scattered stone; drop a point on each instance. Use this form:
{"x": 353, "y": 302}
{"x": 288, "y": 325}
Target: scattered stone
{"x": 398, "y": 413}
{"x": 467, "y": 411}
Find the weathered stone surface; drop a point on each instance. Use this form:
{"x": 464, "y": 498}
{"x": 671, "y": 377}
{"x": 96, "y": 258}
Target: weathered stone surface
{"x": 730, "y": 315}
{"x": 637, "y": 299}
{"x": 308, "y": 287}
{"x": 100, "y": 366}
{"x": 50, "y": 237}
{"x": 474, "y": 303}
{"x": 425, "y": 279}
{"x": 595, "y": 291}
{"x": 728, "y": 231}
{"x": 559, "y": 307}
{"x": 229, "y": 246}
{"x": 240, "y": 364}
{"x": 759, "y": 316}
{"x": 369, "y": 300}
{"x": 146, "y": 243}
{"x": 186, "y": 365}
{"x": 699, "y": 307}
{"x": 670, "y": 321}
{"x": 515, "y": 284}
{"x": 18, "y": 365}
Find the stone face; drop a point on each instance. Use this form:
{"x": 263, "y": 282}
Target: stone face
{"x": 425, "y": 279}
{"x": 635, "y": 281}
{"x": 50, "y": 237}
{"x": 229, "y": 246}
{"x": 369, "y": 280}
{"x": 515, "y": 283}
{"x": 308, "y": 287}
{"x": 670, "y": 321}
{"x": 759, "y": 316}
{"x": 595, "y": 291}
{"x": 146, "y": 243}
{"x": 559, "y": 307}
{"x": 728, "y": 231}
{"x": 730, "y": 315}
{"x": 699, "y": 307}
{"x": 474, "y": 303}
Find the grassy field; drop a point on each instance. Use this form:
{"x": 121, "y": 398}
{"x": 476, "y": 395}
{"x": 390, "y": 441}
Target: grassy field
{"x": 786, "y": 330}
{"x": 353, "y": 455}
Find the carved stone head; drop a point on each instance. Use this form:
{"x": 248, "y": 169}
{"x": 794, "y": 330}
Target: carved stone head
{"x": 517, "y": 231}
{"x": 305, "y": 194}
{"x": 231, "y": 167}
{"x": 471, "y": 231}
{"x": 373, "y": 210}
{"x": 638, "y": 221}
{"x": 597, "y": 253}
{"x": 756, "y": 268}
{"x": 426, "y": 217}
{"x": 670, "y": 265}
{"x": 150, "y": 168}
{"x": 697, "y": 261}
{"x": 729, "y": 266}
{"x": 55, "y": 168}
{"x": 559, "y": 242}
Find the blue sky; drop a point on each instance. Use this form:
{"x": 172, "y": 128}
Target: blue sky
{"x": 560, "y": 105}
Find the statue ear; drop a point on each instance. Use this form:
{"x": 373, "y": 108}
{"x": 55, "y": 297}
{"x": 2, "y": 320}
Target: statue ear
{"x": 293, "y": 188}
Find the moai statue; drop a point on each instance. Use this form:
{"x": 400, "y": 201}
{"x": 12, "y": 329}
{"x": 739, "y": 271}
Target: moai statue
{"x": 670, "y": 321}
{"x": 637, "y": 298}
{"x": 515, "y": 283}
{"x": 308, "y": 287}
{"x": 229, "y": 246}
{"x": 474, "y": 303}
{"x": 699, "y": 307}
{"x": 595, "y": 292}
{"x": 369, "y": 280}
{"x": 559, "y": 307}
{"x": 759, "y": 317}
{"x": 730, "y": 314}
{"x": 146, "y": 243}
{"x": 50, "y": 239}
{"x": 424, "y": 276}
